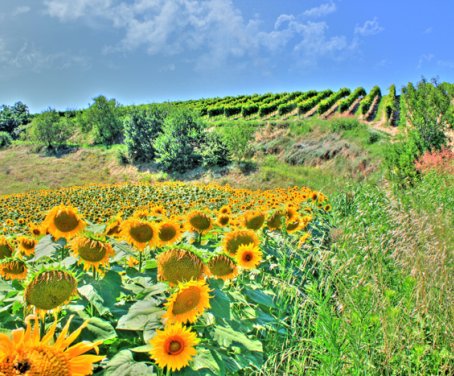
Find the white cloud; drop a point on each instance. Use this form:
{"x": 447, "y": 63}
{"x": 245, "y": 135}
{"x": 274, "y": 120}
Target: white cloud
{"x": 370, "y": 27}
{"x": 21, "y": 10}
{"x": 425, "y": 58}
{"x": 321, "y": 11}
{"x": 210, "y": 32}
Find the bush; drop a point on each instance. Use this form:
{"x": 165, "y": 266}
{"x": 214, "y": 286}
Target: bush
{"x": 368, "y": 99}
{"x": 215, "y": 111}
{"x": 327, "y": 103}
{"x": 141, "y": 130}
{"x": 5, "y": 140}
{"x": 345, "y": 104}
{"x": 104, "y": 121}
{"x": 249, "y": 109}
{"x": 232, "y": 110}
{"x": 177, "y": 147}
{"x": 13, "y": 117}
{"x": 49, "y": 129}
{"x": 391, "y": 102}
{"x": 238, "y": 140}
{"x": 214, "y": 151}
{"x": 346, "y": 124}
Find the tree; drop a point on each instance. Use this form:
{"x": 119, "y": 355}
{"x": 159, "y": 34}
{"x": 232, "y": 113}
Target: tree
{"x": 178, "y": 146}
{"x": 141, "y": 129}
{"x": 50, "y": 129}
{"x": 427, "y": 109}
{"x": 104, "y": 121}
{"x": 12, "y": 117}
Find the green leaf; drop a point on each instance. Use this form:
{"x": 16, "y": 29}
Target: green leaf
{"x": 142, "y": 314}
{"x": 45, "y": 248}
{"x": 123, "y": 364}
{"x": 99, "y": 330}
{"x": 259, "y": 297}
{"x": 89, "y": 293}
{"x": 226, "y": 336}
{"x": 220, "y": 305}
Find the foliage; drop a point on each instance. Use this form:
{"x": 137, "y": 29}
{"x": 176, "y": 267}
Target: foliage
{"x": 102, "y": 119}
{"x": 12, "y": 117}
{"x": 214, "y": 151}
{"x": 428, "y": 106}
{"x": 344, "y": 124}
{"x": 5, "y": 140}
{"x": 238, "y": 140}
{"x": 49, "y": 129}
{"x": 345, "y": 104}
{"x": 327, "y": 103}
{"x": 391, "y": 103}
{"x": 442, "y": 161}
{"x": 368, "y": 99}
{"x": 141, "y": 129}
{"x": 178, "y": 146}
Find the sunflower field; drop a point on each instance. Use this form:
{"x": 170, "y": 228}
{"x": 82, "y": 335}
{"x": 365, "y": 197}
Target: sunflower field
{"x": 163, "y": 279}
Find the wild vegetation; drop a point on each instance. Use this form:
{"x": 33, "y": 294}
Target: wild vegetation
{"x": 350, "y": 276}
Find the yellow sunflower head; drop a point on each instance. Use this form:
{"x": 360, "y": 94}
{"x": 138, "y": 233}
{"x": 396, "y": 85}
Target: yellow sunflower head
{"x": 50, "y": 289}
{"x": 226, "y": 209}
{"x": 199, "y": 221}
{"x": 25, "y": 352}
{"x": 223, "y": 220}
{"x": 6, "y": 249}
{"x": 234, "y": 239}
{"x": 248, "y": 256}
{"x": 91, "y": 252}
{"x": 36, "y": 230}
{"x": 169, "y": 232}
{"x": 173, "y": 347}
{"x": 253, "y": 220}
{"x": 13, "y": 269}
{"x": 303, "y": 239}
{"x": 222, "y": 267}
{"x": 179, "y": 265}
{"x": 293, "y": 225}
{"x": 327, "y": 207}
{"x": 188, "y": 303}
{"x": 64, "y": 222}
{"x": 139, "y": 233}
{"x": 113, "y": 228}
{"x": 26, "y": 245}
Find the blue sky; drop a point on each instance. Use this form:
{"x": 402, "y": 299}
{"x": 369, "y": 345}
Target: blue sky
{"x": 62, "y": 53}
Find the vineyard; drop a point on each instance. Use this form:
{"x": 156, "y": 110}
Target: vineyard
{"x": 326, "y": 104}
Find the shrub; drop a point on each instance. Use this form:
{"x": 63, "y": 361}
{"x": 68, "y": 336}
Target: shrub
{"x": 368, "y": 99}
{"x": 215, "y": 111}
{"x": 345, "y": 104}
{"x": 286, "y": 108}
{"x": 344, "y": 124}
{"x": 5, "y": 140}
{"x": 311, "y": 102}
{"x": 103, "y": 120}
{"x": 141, "y": 130}
{"x": 232, "y": 110}
{"x": 49, "y": 129}
{"x": 12, "y": 117}
{"x": 441, "y": 161}
{"x": 249, "y": 109}
{"x": 391, "y": 102}
{"x": 238, "y": 139}
{"x": 177, "y": 147}
{"x": 327, "y": 103}
{"x": 214, "y": 151}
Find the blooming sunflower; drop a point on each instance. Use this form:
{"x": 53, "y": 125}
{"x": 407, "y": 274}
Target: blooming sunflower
{"x": 113, "y": 228}
{"x": 26, "y": 245}
{"x": 63, "y": 222}
{"x": 173, "y": 347}
{"x": 36, "y": 230}
{"x": 248, "y": 256}
{"x": 303, "y": 239}
{"x": 199, "y": 221}
{"x": 50, "y": 289}
{"x": 6, "y": 249}
{"x": 234, "y": 239}
{"x": 222, "y": 267}
{"x": 168, "y": 232}
{"x": 253, "y": 220}
{"x": 26, "y": 353}
{"x": 13, "y": 269}
{"x": 275, "y": 220}
{"x": 223, "y": 220}
{"x": 179, "y": 265}
{"x": 188, "y": 303}
{"x": 139, "y": 233}
{"x": 91, "y": 252}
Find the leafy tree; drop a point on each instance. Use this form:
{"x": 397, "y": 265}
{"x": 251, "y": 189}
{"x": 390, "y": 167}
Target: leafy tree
{"x": 214, "y": 151}
{"x": 178, "y": 146}
{"x": 5, "y": 140}
{"x": 141, "y": 129}
{"x": 12, "y": 117}
{"x": 238, "y": 140}
{"x": 50, "y": 129}
{"x": 427, "y": 109}
{"x": 103, "y": 119}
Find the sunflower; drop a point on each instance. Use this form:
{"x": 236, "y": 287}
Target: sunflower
{"x": 248, "y": 256}
{"x": 91, "y": 252}
{"x": 139, "y": 233}
{"x": 173, "y": 347}
{"x": 132, "y": 261}
{"x": 6, "y": 249}
{"x": 188, "y": 303}
{"x": 168, "y": 232}
{"x": 327, "y": 207}
{"x": 303, "y": 239}
{"x": 50, "y": 290}
{"x": 226, "y": 209}
{"x": 253, "y": 220}
{"x": 36, "y": 230}
{"x": 113, "y": 228}
{"x": 223, "y": 220}
{"x": 26, "y": 245}
{"x": 13, "y": 269}
{"x": 26, "y": 353}
{"x": 293, "y": 225}
{"x": 222, "y": 267}
{"x": 275, "y": 221}
{"x": 239, "y": 237}
{"x": 199, "y": 222}
{"x": 63, "y": 222}
{"x": 179, "y": 265}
